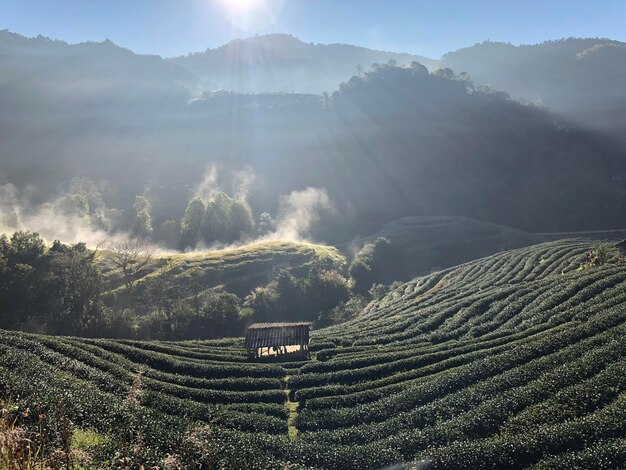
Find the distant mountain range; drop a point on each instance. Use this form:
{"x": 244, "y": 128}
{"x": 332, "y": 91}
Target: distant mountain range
{"x": 580, "y": 78}
{"x": 584, "y": 79}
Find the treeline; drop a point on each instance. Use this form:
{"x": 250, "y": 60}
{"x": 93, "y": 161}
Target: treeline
{"x": 311, "y": 297}
{"x": 222, "y": 219}
{"x": 53, "y": 290}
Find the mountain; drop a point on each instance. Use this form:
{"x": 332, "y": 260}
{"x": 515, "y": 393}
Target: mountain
{"x": 56, "y": 99}
{"x": 439, "y": 146}
{"x": 283, "y": 63}
{"x": 580, "y": 78}
{"x": 38, "y": 72}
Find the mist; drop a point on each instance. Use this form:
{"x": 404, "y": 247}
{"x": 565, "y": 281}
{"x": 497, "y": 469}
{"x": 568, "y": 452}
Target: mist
{"x": 50, "y": 220}
{"x": 243, "y": 181}
{"x": 299, "y": 212}
{"x": 209, "y": 184}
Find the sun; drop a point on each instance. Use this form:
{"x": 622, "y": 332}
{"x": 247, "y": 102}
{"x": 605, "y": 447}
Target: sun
{"x": 251, "y": 15}
{"x": 240, "y": 6}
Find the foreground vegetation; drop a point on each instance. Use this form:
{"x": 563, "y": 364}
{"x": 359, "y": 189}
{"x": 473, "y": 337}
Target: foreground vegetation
{"x": 512, "y": 361}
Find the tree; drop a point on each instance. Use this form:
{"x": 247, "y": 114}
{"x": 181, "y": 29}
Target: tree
{"x": 290, "y": 290}
{"x": 304, "y": 298}
{"x": 131, "y": 257}
{"x": 73, "y": 204}
{"x": 325, "y": 100}
{"x": 220, "y": 315}
{"x": 24, "y": 293}
{"x": 261, "y": 300}
{"x": 361, "y": 274}
{"x": 76, "y": 283}
{"x": 82, "y": 198}
{"x": 168, "y": 233}
{"x": 242, "y": 222}
{"x": 56, "y": 290}
{"x": 378, "y": 262}
{"x": 223, "y": 219}
{"x": 217, "y": 224}
{"x": 418, "y": 68}
{"x": 86, "y": 188}
{"x": 142, "y": 221}
{"x": 211, "y": 221}
{"x": 344, "y": 311}
{"x": 326, "y": 289}
{"x": 192, "y": 222}
{"x": 26, "y": 248}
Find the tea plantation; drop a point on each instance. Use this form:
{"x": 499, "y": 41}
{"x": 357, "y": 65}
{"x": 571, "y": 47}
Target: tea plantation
{"x": 517, "y": 360}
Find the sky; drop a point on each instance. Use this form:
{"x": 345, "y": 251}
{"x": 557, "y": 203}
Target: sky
{"x": 427, "y": 27}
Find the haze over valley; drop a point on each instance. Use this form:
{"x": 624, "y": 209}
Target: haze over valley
{"x": 379, "y": 143}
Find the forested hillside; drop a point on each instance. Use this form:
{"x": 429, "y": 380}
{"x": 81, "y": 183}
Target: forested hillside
{"x": 430, "y": 243}
{"x": 392, "y": 142}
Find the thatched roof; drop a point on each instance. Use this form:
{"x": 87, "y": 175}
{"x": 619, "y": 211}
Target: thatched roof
{"x": 265, "y": 335}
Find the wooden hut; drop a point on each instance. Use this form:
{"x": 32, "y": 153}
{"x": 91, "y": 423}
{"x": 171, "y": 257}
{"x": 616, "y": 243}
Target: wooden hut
{"x": 269, "y": 339}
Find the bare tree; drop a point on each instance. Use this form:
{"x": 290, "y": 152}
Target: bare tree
{"x": 131, "y": 257}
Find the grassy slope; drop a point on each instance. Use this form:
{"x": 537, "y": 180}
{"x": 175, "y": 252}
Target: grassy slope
{"x": 516, "y": 360}
{"x": 238, "y": 269}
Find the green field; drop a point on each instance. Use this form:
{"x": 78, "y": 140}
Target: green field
{"x": 517, "y": 360}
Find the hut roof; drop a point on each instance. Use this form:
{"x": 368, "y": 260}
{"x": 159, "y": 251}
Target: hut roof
{"x": 264, "y": 335}
{"x": 261, "y": 326}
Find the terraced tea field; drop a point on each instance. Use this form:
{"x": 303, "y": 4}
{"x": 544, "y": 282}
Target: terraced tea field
{"x": 517, "y": 360}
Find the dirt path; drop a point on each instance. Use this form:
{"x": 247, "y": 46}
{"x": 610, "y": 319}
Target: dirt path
{"x": 292, "y": 410}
